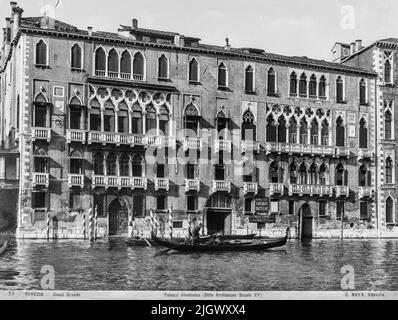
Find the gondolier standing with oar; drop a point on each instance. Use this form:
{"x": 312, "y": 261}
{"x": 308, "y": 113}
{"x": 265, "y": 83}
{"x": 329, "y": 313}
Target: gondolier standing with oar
{"x": 196, "y": 234}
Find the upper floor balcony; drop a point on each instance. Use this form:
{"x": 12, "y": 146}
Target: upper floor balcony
{"x": 276, "y": 188}
{"x": 41, "y": 179}
{"x": 250, "y": 188}
{"x": 365, "y": 154}
{"x": 193, "y": 143}
{"x": 342, "y": 191}
{"x": 221, "y": 186}
{"x": 311, "y": 190}
{"x": 41, "y": 134}
{"x": 248, "y": 145}
{"x": 76, "y": 180}
{"x": 343, "y": 152}
{"x": 119, "y": 182}
{"x": 222, "y": 145}
{"x": 366, "y": 192}
{"x": 162, "y": 184}
{"x": 73, "y": 135}
{"x": 192, "y": 185}
{"x": 291, "y": 148}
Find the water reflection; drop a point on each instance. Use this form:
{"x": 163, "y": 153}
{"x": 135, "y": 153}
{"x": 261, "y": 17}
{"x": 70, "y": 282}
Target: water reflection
{"x": 110, "y": 265}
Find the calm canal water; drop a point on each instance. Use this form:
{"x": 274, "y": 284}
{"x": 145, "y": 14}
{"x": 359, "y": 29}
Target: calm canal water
{"x": 111, "y": 265}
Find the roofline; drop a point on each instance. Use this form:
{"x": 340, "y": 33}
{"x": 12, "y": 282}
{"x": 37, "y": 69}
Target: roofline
{"x": 379, "y": 43}
{"x": 243, "y": 56}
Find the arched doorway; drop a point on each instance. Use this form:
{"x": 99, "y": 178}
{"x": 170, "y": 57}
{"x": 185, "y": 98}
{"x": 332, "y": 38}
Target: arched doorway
{"x": 306, "y": 222}
{"x": 118, "y": 218}
{"x": 219, "y": 214}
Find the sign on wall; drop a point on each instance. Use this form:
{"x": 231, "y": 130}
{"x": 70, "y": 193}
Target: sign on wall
{"x": 262, "y": 206}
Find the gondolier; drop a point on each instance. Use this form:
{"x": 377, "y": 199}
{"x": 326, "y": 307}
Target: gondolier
{"x": 196, "y": 234}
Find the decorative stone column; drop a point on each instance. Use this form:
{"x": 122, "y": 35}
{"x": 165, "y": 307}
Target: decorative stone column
{"x": 2, "y": 168}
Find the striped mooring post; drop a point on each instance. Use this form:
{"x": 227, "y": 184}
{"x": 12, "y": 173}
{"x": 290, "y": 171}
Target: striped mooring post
{"x": 84, "y": 225}
{"x": 48, "y": 225}
{"x": 171, "y": 224}
{"x": 96, "y": 224}
{"x": 152, "y": 222}
{"x": 90, "y": 225}
{"x": 189, "y": 226}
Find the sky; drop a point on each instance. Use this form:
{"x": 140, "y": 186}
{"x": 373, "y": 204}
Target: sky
{"x": 290, "y": 27}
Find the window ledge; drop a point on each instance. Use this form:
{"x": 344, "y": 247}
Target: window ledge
{"x": 342, "y": 102}
{"x": 251, "y": 92}
{"x": 161, "y": 211}
{"x": 364, "y": 104}
{"x": 164, "y": 79}
{"x": 221, "y": 88}
{"x": 41, "y": 66}
{"x": 275, "y": 95}
{"x": 193, "y": 82}
{"x": 192, "y": 211}
{"x": 77, "y": 69}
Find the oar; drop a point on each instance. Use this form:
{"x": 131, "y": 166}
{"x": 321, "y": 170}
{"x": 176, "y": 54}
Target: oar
{"x": 149, "y": 244}
{"x": 168, "y": 250}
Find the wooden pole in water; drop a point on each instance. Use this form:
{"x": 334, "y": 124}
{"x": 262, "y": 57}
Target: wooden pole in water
{"x": 96, "y": 224}
{"x": 90, "y": 225}
{"x": 171, "y": 223}
{"x": 84, "y": 225}
{"x": 48, "y": 225}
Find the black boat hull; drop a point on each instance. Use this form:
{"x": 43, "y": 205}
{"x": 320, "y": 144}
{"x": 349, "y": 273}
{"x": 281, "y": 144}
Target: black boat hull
{"x": 3, "y": 248}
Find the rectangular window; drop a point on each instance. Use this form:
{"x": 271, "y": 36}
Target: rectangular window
{"x": 11, "y": 168}
{"x": 339, "y": 209}
{"x": 160, "y": 171}
{"x": 249, "y": 205}
{"x": 161, "y": 202}
{"x": 192, "y": 203}
{"x": 291, "y": 207}
{"x": 260, "y": 226}
{"x": 364, "y": 210}
{"x": 177, "y": 224}
{"x": 274, "y": 206}
{"x": 58, "y": 92}
{"x": 75, "y": 118}
{"x": 40, "y": 116}
{"x": 75, "y": 201}
{"x": 76, "y": 166}
{"x": 322, "y": 208}
{"x": 40, "y": 200}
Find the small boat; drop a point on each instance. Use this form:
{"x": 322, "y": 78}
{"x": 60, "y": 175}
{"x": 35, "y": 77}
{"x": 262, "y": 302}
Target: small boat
{"x": 3, "y": 248}
{"x": 244, "y": 237}
{"x": 254, "y": 245}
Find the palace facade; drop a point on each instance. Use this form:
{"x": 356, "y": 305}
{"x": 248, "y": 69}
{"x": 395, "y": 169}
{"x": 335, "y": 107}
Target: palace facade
{"x": 157, "y": 130}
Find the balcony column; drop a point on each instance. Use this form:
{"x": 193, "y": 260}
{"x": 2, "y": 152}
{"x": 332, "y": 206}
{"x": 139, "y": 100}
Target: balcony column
{"x": 157, "y": 124}
{"x": 102, "y": 120}
{"x": 287, "y": 133}
{"x": 298, "y": 133}
{"x": 82, "y": 119}
{"x": 130, "y": 123}
{"x": 116, "y": 121}
{"x": 330, "y": 136}
{"x": 144, "y": 122}
{"x": 309, "y": 135}
{"x": 89, "y": 120}
{"x": 130, "y": 167}
{"x": 118, "y": 165}
{"x": 105, "y": 168}
{"x": 320, "y": 135}
{"x": 106, "y": 63}
{"x": 18, "y": 168}
{"x": 48, "y": 117}
{"x": 2, "y": 168}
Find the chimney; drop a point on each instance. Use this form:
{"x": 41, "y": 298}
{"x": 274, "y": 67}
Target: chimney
{"x": 17, "y": 16}
{"x": 90, "y": 31}
{"x": 13, "y": 5}
{"x": 227, "y": 46}
{"x": 8, "y": 30}
{"x": 352, "y": 48}
{"x": 135, "y": 24}
{"x": 358, "y": 44}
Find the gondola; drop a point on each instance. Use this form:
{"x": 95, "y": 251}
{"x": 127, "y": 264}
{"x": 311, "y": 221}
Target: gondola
{"x": 3, "y": 248}
{"x": 232, "y": 237}
{"x": 255, "y": 245}
{"x": 140, "y": 242}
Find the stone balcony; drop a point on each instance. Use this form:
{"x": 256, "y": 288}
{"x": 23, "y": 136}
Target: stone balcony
{"x": 193, "y": 143}
{"x": 41, "y": 180}
{"x": 41, "y": 134}
{"x": 76, "y": 180}
{"x": 221, "y": 186}
{"x": 255, "y": 146}
{"x": 192, "y": 185}
{"x": 162, "y": 184}
{"x": 250, "y": 188}
{"x": 299, "y": 149}
{"x": 276, "y": 188}
{"x": 365, "y": 154}
{"x": 343, "y": 152}
{"x": 312, "y": 190}
{"x": 222, "y": 145}
{"x": 73, "y": 135}
{"x": 119, "y": 182}
{"x": 366, "y": 192}
{"x": 342, "y": 191}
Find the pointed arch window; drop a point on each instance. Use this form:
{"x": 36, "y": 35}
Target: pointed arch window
{"x": 41, "y": 116}
{"x": 111, "y": 165}
{"x": 303, "y": 174}
{"x": 389, "y": 179}
{"x": 124, "y": 165}
{"x": 271, "y": 82}
{"x": 313, "y": 174}
{"x": 303, "y": 86}
{"x": 109, "y": 117}
{"x": 274, "y": 172}
{"x": 136, "y": 120}
{"x": 76, "y": 162}
{"x": 192, "y": 118}
{"x": 76, "y": 57}
{"x": 139, "y": 66}
{"x": 325, "y": 133}
{"x": 222, "y": 75}
{"x": 364, "y": 176}
{"x": 339, "y": 90}
{"x": 303, "y": 131}
{"x": 363, "y": 92}
{"x": 125, "y": 65}
{"x": 292, "y": 130}
{"x": 282, "y": 129}
{"x": 123, "y": 118}
{"x": 293, "y": 85}
{"x": 293, "y": 173}
{"x": 151, "y": 120}
{"x": 363, "y": 134}
{"x": 138, "y": 166}
{"x": 271, "y": 129}
{"x": 387, "y": 71}
{"x": 248, "y": 126}
{"x": 340, "y": 133}
{"x": 164, "y": 119}
{"x": 249, "y": 79}
{"x": 98, "y": 164}
{"x": 312, "y": 87}
{"x": 388, "y": 125}
{"x": 41, "y": 161}
{"x": 95, "y": 116}
{"x": 100, "y": 62}
{"x": 193, "y": 70}
{"x": 322, "y": 88}
{"x": 389, "y": 211}
{"x": 76, "y": 115}
{"x": 341, "y": 175}
{"x": 163, "y": 67}
{"x": 113, "y": 64}
{"x": 314, "y": 132}
{"x": 41, "y": 54}
{"x": 322, "y": 174}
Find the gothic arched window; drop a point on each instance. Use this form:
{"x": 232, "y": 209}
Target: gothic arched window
{"x": 389, "y": 171}
{"x": 248, "y": 126}
{"x": 322, "y": 88}
{"x": 249, "y": 79}
{"x": 163, "y": 67}
{"x": 303, "y": 86}
{"x": 293, "y": 85}
{"x": 100, "y": 62}
{"x": 271, "y": 129}
{"x": 193, "y": 70}
{"x": 339, "y": 90}
{"x": 340, "y": 133}
{"x": 271, "y": 82}
{"x": 387, "y": 125}
{"x": 312, "y": 87}
{"x": 41, "y": 53}
{"x": 222, "y": 75}
{"x": 362, "y": 92}
{"x": 389, "y": 211}
{"x": 363, "y": 134}
{"x": 76, "y": 57}
{"x": 125, "y": 65}
{"x": 139, "y": 66}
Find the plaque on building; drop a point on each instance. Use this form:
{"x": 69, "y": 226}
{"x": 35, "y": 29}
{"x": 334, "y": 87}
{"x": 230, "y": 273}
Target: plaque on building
{"x": 262, "y": 206}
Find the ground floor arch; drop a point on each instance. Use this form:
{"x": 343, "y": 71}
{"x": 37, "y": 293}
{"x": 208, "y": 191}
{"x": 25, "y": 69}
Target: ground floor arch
{"x": 306, "y": 222}
{"x": 118, "y": 216}
{"x": 218, "y": 214}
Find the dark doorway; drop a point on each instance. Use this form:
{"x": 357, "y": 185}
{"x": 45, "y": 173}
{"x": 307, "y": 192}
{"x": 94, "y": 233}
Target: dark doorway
{"x": 307, "y": 222}
{"x": 218, "y": 222}
{"x": 118, "y": 218}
